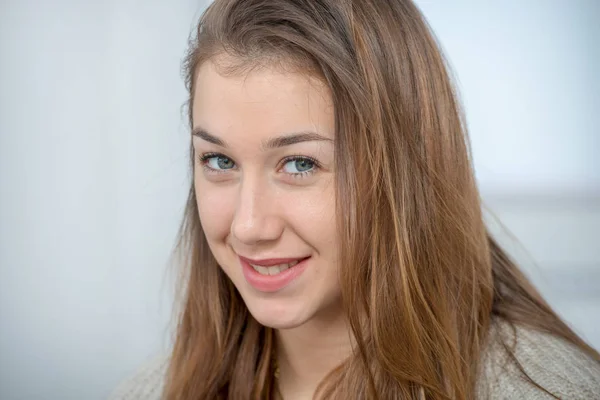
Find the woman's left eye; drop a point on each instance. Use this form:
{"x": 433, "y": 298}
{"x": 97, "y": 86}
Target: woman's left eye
{"x": 299, "y": 165}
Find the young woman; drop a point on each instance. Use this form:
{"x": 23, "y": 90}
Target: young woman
{"x": 333, "y": 237}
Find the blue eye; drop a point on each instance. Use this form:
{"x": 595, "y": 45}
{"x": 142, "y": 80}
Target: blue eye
{"x": 299, "y": 165}
{"x": 217, "y": 162}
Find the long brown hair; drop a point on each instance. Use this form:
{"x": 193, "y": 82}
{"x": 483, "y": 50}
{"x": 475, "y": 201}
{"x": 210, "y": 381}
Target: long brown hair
{"x": 423, "y": 279}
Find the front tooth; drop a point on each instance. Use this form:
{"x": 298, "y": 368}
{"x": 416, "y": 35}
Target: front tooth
{"x": 263, "y": 270}
{"x": 274, "y": 270}
{"x": 283, "y": 267}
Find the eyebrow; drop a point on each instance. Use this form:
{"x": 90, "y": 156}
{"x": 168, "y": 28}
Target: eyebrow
{"x": 272, "y": 143}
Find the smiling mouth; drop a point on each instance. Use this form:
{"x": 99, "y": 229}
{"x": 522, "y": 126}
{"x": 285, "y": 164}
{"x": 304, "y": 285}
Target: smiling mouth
{"x": 271, "y": 275}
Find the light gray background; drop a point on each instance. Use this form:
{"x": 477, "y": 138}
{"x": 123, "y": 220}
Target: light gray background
{"x": 93, "y": 169}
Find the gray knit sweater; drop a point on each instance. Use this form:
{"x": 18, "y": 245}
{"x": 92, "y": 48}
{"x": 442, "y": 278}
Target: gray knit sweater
{"x": 557, "y": 366}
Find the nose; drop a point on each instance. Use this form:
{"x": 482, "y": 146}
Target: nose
{"x": 256, "y": 218}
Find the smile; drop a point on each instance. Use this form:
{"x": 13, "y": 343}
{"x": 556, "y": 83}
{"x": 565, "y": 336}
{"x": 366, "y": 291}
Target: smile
{"x": 272, "y": 275}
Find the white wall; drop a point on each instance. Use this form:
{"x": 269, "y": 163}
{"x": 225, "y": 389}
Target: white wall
{"x": 93, "y": 169}
{"x": 528, "y": 71}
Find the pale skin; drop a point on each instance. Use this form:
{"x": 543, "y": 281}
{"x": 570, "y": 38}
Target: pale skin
{"x": 263, "y": 173}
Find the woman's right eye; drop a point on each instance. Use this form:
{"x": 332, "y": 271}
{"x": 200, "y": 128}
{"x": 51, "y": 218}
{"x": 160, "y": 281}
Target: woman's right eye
{"x": 217, "y": 162}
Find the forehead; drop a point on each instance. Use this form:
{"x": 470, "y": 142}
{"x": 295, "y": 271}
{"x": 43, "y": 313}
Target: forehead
{"x": 262, "y": 102}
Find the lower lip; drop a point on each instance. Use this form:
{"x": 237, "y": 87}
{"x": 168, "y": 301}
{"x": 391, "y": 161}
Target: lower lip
{"x": 272, "y": 283}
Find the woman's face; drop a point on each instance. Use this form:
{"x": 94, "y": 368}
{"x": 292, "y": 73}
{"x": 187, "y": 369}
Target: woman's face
{"x": 264, "y": 180}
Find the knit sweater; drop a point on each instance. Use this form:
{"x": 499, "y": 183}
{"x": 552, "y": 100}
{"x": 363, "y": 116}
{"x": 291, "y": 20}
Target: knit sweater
{"x": 554, "y": 364}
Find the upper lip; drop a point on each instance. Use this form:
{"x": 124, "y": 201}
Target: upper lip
{"x": 269, "y": 262}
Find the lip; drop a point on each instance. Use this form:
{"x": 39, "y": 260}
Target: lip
{"x": 272, "y": 283}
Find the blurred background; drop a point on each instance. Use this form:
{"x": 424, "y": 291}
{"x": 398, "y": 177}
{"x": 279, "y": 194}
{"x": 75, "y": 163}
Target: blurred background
{"x": 93, "y": 170}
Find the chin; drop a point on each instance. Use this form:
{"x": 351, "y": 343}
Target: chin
{"x": 277, "y": 313}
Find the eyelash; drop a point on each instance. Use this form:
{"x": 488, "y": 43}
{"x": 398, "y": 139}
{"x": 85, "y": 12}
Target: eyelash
{"x": 203, "y": 158}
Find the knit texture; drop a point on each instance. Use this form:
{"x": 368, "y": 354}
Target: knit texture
{"x": 555, "y": 365}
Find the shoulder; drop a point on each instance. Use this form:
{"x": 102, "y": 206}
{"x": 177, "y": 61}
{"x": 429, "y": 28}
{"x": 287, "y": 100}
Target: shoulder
{"x": 147, "y": 383}
{"x": 556, "y": 365}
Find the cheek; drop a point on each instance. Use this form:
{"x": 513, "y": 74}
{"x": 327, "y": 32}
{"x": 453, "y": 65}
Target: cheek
{"x": 215, "y": 209}
{"x": 315, "y": 218}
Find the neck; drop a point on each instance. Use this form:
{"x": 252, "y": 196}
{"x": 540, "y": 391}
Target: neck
{"x": 306, "y": 354}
